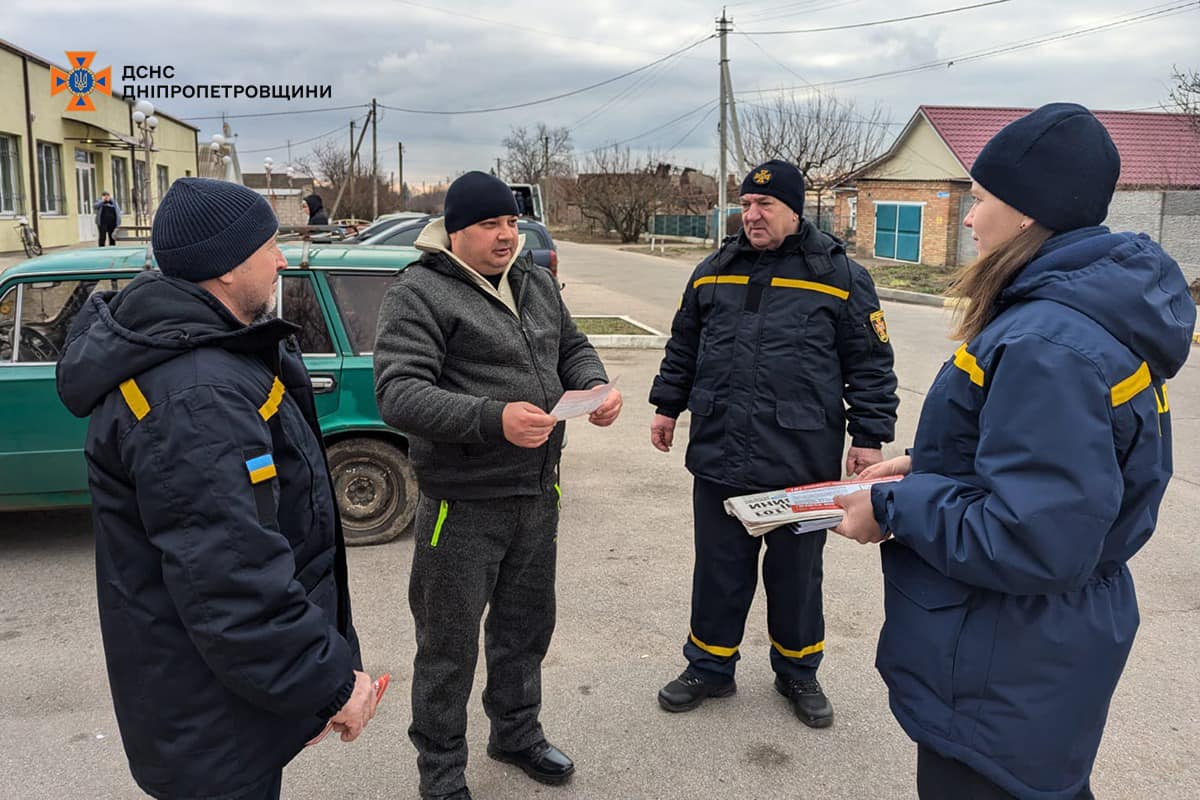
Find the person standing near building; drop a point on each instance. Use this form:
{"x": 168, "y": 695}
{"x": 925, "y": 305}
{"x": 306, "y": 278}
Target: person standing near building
{"x": 475, "y": 346}
{"x": 108, "y": 218}
{"x": 779, "y": 346}
{"x": 220, "y": 562}
{"x": 315, "y": 206}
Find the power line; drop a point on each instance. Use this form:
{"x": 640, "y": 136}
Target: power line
{"x": 999, "y": 50}
{"x": 276, "y": 113}
{"x": 692, "y": 129}
{"x": 884, "y": 21}
{"x": 644, "y": 82}
{"x": 796, "y": 10}
{"x": 643, "y": 68}
{"x": 338, "y": 129}
{"x": 711, "y": 105}
{"x": 514, "y": 26}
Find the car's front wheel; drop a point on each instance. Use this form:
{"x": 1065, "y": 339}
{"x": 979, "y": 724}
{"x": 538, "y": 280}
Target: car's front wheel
{"x": 376, "y": 489}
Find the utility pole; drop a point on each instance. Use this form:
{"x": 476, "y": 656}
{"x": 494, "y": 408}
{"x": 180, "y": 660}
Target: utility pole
{"x": 350, "y": 177}
{"x": 403, "y": 204}
{"x": 498, "y": 175}
{"x": 723, "y": 27}
{"x": 545, "y": 175}
{"x": 374, "y": 159}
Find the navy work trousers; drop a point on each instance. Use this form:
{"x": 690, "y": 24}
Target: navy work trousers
{"x": 723, "y": 583}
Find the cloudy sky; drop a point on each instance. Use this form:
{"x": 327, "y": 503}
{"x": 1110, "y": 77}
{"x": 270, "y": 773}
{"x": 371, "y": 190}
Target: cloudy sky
{"x": 457, "y": 55}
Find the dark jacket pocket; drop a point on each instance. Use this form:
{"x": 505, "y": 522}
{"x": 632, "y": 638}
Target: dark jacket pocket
{"x": 800, "y": 415}
{"x": 701, "y": 402}
{"x": 924, "y": 616}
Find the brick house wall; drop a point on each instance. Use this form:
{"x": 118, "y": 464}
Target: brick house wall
{"x": 941, "y": 221}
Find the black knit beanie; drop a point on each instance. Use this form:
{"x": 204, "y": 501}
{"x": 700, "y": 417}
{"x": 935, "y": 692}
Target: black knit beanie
{"x": 1057, "y": 164}
{"x": 204, "y": 228}
{"x": 778, "y": 179}
{"x": 477, "y": 196}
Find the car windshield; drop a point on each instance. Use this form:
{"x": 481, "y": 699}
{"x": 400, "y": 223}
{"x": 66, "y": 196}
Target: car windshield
{"x": 358, "y": 297}
{"x": 404, "y": 238}
{"x": 534, "y": 238}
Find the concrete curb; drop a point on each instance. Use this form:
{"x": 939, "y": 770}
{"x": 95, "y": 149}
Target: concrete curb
{"x": 629, "y": 341}
{"x": 651, "y": 340}
{"x": 916, "y": 298}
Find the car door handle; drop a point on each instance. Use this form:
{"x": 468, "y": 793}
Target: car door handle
{"x": 323, "y": 384}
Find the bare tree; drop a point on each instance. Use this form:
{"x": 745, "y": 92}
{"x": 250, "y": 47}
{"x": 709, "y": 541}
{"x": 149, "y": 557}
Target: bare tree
{"x": 827, "y": 138}
{"x": 1185, "y": 94}
{"x": 531, "y": 155}
{"x": 620, "y": 191}
{"x": 331, "y": 164}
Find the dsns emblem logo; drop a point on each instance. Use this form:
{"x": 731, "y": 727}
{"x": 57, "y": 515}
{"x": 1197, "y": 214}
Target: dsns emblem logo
{"x": 80, "y": 81}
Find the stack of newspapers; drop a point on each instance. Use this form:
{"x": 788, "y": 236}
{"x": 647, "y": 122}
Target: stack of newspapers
{"x": 803, "y": 508}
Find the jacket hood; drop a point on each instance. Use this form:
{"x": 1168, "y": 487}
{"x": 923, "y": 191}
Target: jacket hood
{"x": 314, "y": 203}
{"x": 119, "y": 335}
{"x": 1125, "y": 282}
{"x": 434, "y": 239}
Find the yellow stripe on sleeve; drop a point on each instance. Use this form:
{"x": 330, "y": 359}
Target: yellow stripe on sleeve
{"x": 1129, "y": 388}
{"x": 967, "y": 363}
{"x": 135, "y": 399}
{"x": 269, "y": 408}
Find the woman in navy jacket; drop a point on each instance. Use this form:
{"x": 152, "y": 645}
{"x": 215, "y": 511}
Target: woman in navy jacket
{"x": 1041, "y": 457}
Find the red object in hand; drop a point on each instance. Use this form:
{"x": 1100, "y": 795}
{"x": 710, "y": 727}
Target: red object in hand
{"x": 380, "y": 684}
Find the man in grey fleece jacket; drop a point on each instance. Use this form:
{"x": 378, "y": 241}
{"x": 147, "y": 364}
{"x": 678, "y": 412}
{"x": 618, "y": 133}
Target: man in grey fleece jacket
{"x": 474, "y": 347}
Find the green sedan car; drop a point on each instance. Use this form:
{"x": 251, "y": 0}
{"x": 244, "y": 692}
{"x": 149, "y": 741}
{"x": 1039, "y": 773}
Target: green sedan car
{"x": 332, "y": 292}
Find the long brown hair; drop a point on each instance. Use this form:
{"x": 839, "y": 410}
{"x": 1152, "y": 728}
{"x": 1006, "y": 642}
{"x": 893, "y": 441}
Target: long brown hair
{"x": 981, "y": 282}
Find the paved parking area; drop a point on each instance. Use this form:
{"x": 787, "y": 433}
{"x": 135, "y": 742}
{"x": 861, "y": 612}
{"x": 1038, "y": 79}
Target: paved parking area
{"x": 624, "y": 584}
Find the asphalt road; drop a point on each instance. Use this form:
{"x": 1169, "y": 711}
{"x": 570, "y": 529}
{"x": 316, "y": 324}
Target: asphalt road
{"x": 624, "y": 584}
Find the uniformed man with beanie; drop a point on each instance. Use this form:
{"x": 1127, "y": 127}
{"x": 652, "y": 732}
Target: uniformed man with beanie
{"x": 220, "y": 560}
{"x": 778, "y": 348}
{"x": 474, "y": 347}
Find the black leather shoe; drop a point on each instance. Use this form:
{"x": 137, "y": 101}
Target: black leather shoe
{"x": 809, "y": 702}
{"x": 543, "y": 762}
{"x": 462, "y": 794}
{"x": 690, "y": 690}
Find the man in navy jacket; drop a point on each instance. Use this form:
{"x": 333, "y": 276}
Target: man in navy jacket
{"x": 220, "y": 563}
{"x": 778, "y": 349}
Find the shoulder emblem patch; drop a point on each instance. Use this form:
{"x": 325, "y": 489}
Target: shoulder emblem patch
{"x": 880, "y": 326}
{"x": 762, "y": 177}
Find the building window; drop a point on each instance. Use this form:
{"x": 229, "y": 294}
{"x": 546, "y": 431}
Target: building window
{"x": 898, "y": 231}
{"x": 139, "y": 186}
{"x": 852, "y": 222}
{"x": 50, "y": 179}
{"x": 120, "y": 182}
{"x": 164, "y": 182}
{"x": 10, "y": 176}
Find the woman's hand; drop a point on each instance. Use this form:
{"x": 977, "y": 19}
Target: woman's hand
{"x": 859, "y": 521}
{"x": 900, "y": 465}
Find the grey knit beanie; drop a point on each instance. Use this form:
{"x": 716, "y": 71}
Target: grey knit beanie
{"x": 204, "y": 228}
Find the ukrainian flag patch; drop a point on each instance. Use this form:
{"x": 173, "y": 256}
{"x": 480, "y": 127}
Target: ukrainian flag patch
{"x": 261, "y": 468}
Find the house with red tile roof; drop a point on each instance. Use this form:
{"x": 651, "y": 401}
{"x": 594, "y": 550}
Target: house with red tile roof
{"x": 909, "y": 203}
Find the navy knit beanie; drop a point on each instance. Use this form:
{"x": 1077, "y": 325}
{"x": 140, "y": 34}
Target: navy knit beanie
{"x": 204, "y": 228}
{"x": 1057, "y": 164}
{"x": 778, "y": 179}
{"x": 477, "y": 196}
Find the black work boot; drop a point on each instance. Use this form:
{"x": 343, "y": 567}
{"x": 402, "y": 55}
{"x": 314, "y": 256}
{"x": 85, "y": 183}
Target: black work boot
{"x": 462, "y": 794}
{"x": 689, "y": 690}
{"x": 542, "y": 761}
{"x": 809, "y": 702}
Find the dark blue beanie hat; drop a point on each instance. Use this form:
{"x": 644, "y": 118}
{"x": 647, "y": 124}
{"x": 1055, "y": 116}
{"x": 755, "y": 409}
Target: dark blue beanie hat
{"x": 778, "y": 179}
{"x": 204, "y": 228}
{"x": 477, "y": 196}
{"x": 1057, "y": 164}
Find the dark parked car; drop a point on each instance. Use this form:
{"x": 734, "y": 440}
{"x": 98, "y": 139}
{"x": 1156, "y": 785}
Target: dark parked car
{"x": 386, "y": 223}
{"x": 538, "y": 240}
